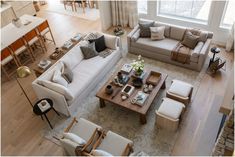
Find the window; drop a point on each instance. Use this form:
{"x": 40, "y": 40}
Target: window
{"x": 188, "y": 9}
{"x": 142, "y": 6}
{"x": 229, "y": 13}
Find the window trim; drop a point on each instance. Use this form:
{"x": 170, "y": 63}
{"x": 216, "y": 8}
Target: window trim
{"x": 142, "y": 13}
{"x": 182, "y": 18}
{"x": 223, "y": 25}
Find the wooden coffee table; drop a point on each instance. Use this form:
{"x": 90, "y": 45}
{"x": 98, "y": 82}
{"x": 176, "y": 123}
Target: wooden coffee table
{"x": 116, "y": 98}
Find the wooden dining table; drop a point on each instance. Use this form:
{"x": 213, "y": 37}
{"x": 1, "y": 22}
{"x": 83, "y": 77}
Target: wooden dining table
{"x": 10, "y": 33}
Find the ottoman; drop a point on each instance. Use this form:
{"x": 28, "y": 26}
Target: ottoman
{"x": 168, "y": 114}
{"x": 180, "y": 91}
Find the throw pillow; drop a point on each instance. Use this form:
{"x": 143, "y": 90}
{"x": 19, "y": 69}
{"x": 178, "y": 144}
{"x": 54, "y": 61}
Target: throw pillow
{"x": 91, "y": 35}
{"x": 145, "y": 29}
{"x": 89, "y": 51}
{"x": 67, "y": 74}
{"x": 57, "y": 88}
{"x": 99, "y": 43}
{"x": 99, "y": 152}
{"x": 75, "y": 138}
{"x": 57, "y": 78}
{"x": 157, "y": 33}
{"x": 190, "y": 40}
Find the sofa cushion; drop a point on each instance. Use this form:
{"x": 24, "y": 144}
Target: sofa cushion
{"x": 163, "y": 47}
{"x": 190, "y": 40}
{"x": 157, "y": 33}
{"x": 196, "y": 51}
{"x": 167, "y": 28}
{"x": 145, "y": 29}
{"x": 67, "y": 74}
{"x": 177, "y": 33}
{"x": 89, "y": 51}
{"x": 171, "y": 108}
{"x": 99, "y": 43}
{"x": 74, "y": 56}
{"x": 59, "y": 79}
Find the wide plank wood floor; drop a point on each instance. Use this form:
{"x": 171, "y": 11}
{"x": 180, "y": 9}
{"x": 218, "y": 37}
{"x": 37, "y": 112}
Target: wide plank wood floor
{"x": 21, "y": 130}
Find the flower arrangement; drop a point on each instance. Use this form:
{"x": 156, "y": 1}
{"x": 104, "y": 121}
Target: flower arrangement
{"x": 138, "y": 65}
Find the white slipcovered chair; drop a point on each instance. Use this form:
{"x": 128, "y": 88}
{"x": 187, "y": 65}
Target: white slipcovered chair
{"x": 180, "y": 91}
{"x": 168, "y": 114}
{"x": 112, "y": 144}
{"x": 84, "y": 129}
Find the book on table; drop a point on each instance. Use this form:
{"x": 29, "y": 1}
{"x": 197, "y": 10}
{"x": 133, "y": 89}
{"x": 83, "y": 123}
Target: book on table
{"x": 140, "y": 98}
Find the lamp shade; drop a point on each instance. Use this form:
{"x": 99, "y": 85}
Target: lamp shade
{"x": 23, "y": 71}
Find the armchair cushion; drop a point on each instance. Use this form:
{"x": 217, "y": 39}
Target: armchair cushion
{"x": 99, "y": 152}
{"x": 69, "y": 146}
{"x": 73, "y": 137}
{"x": 114, "y": 143}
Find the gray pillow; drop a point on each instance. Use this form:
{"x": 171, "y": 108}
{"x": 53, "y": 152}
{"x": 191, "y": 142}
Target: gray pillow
{"x": 190, "y": 40}
{"x": 145, "y": 29}
{"x": 89, "y": 50}
{"x": 67, "y": 74}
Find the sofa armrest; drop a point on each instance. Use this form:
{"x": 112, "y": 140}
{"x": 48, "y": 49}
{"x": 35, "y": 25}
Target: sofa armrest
{"x": 59, "y": 102}
{"x": 204, "y": 53}
{"x": 210, "y": 35}
{"x": 131, "y": 34}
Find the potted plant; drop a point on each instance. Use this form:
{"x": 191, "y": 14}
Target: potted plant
{"x": 138, "y": 66}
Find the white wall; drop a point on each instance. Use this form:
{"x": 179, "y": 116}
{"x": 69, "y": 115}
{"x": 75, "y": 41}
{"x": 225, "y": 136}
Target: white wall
{"x": 105, "y": 14}
{"x": 220, "y": 34}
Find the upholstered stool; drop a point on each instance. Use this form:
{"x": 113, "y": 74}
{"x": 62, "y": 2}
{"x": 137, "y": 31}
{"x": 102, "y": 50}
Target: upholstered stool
{"x": 168, "y": 114}
{"x": 180, "y": 91}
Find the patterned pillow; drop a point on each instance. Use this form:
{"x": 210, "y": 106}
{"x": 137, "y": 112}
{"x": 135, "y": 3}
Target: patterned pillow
{"x": 157, "y": 33}
{"x": 89, "y": 50}
{"x": 145, "y": 29}
{"x": 90, "y": 36}
{"x": 190, "y": 40}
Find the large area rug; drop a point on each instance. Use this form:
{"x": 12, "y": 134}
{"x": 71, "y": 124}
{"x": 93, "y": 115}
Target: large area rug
{"x": 146, "y": 138}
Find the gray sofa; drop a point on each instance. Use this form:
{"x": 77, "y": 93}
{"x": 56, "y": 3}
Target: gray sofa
{"x": 161, "y": 49}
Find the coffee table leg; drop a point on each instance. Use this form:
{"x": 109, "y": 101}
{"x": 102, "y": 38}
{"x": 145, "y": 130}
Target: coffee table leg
{"x": 143, "y": 119}
{"x": 102, "y": 103}
{"x": 163, "y": 85}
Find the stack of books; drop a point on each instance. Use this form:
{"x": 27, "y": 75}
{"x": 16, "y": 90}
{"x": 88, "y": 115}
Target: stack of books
{"x": 140, "y": 98}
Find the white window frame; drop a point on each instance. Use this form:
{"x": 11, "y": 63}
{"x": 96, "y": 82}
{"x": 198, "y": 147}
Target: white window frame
{"x": 143, "y": 13}
{"x": 222, "y": 25}
{"x": 182, "y": 18}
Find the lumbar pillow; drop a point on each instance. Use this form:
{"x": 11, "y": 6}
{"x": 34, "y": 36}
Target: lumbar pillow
{"x": 57, "y": 88}
{"x": 67, "y": 74}
{"x": 75, "y": 138}
{"x": 157, "y": 33}
{"x": 145, "y": 29}
{"x": 190, "y": 40}
{"x": 57, "y": 78}
{"x": 99, "y": 152}
{"x": 89, "y": 51}
{"x": 99, "y": 43}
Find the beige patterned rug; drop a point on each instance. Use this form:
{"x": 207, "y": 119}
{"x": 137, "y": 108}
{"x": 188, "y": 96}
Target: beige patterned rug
{"x": 146, "y": 138}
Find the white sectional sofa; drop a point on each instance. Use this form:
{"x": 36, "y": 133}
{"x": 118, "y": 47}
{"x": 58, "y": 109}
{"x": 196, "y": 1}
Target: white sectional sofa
{"x": 161, "y": 49}
{"x": 87, "y": 73}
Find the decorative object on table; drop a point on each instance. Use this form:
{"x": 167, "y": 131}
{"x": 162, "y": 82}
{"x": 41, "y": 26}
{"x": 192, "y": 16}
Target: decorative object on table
{"x": 127, "y": 90}
{"x": 137, "y": 82}
{"x": 67, "y": 45}
{"x": 139, "y": 98}
{"x": 122, "y": 78}
{"x": 17, "y": 22}
{"x": 118, "y": 31}
{"x": 148, "y": 88}
{"x": 23, "y": 72}
{"x": 77, "y": 37}
{"x": 138, "y": 66}
{"x": 214, "y": 50}
{"x": 39, "y": 110}
{"x": 56, "y": 54}
{"x": 153, "y": 78}
{"x": 126, "y": 68}
{"x": 124, "y": 97}
{"x": 44, "y": 64}
{"x": 109, "y": 89}
{"x": 216, "y": 65}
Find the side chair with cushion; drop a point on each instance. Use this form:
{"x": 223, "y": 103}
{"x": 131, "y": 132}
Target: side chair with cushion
{"x": 112, "y": 144}
{"x": 80, "y": 136}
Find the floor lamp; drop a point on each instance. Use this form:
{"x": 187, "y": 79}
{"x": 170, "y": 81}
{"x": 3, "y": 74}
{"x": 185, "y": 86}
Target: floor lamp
{"x": 23, "y": 72}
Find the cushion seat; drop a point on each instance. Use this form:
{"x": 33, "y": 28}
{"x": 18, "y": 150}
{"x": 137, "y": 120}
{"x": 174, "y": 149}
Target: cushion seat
{"x": 171, "y": 108}
{"x": 180, "y": 88}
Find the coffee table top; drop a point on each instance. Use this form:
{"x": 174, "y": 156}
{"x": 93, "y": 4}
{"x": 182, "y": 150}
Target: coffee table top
{"x": 126, "y": 103}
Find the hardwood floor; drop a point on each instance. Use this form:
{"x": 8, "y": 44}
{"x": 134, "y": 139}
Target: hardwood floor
{"x": 21, "y": 130}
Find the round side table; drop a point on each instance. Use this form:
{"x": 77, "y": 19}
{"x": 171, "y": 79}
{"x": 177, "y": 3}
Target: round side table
{"x": 38, "y": 111}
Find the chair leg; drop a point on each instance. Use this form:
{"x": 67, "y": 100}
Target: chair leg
{"x": 5, "y": 72}
{"x": 52, "y": 36}
{"x": 31, "y": 54}
{"x": 42, "y": 45}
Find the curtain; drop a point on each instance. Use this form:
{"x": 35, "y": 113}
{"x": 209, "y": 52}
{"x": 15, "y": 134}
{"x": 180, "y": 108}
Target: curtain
{"x": 124, "y": 13}
{"x": 230, "y": 41}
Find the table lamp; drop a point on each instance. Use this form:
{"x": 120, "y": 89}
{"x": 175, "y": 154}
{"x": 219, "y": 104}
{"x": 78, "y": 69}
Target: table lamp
{"x": 22, "y": 72}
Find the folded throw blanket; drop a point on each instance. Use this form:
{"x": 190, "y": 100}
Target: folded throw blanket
{"x": 181, "y": 54}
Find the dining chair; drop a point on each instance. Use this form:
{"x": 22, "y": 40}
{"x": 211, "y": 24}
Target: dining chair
{"x": 18, "y": 48}
{"x": 80, "y": 3}
{"x": 43, "y": 29}
{"x": 7, "y": 57}
{"x": 32, "y": 38}
{"x": 69, "y": 3}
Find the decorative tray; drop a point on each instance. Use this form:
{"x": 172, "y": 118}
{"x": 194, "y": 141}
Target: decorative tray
{"x": 153, "y": 78}
{"x": 56, "y": 55}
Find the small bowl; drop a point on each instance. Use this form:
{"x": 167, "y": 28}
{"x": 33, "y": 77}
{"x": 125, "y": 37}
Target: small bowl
{"x": 43, "y": 62}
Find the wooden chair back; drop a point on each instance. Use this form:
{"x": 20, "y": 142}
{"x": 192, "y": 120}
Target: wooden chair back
{"x": 43, "y": 26}
{"x": 17, "y": 44}
{"x": 5, "y": 53}
{"x": 30, "y": 35}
